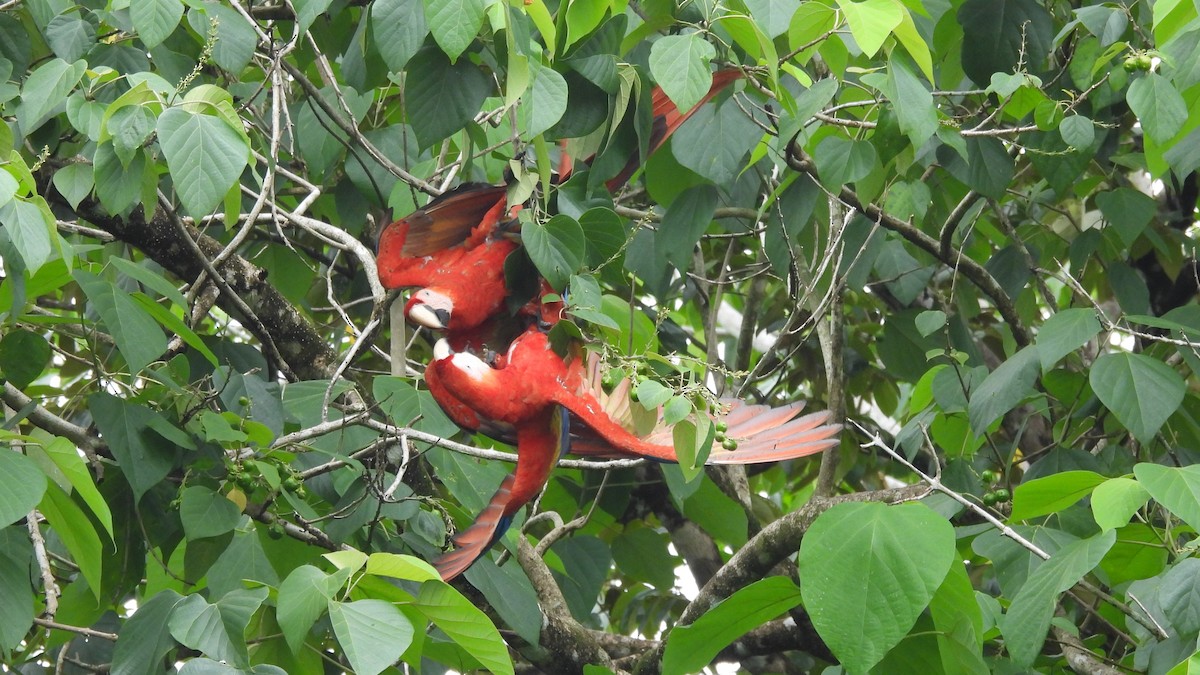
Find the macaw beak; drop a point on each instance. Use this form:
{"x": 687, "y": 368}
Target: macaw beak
{"x": 442, "y": 350}
{"x": 430, "y": 309}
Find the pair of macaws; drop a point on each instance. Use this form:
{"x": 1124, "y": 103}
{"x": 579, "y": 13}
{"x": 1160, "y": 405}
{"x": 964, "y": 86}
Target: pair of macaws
{"x": 453, "y": 251}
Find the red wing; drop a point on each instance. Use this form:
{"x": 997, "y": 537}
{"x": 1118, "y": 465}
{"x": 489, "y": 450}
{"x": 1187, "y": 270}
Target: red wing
{"x": 474, "y": 541}
{"x": 449, "y": 220}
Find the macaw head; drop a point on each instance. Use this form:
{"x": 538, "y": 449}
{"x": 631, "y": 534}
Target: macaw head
{"x": 430, "y": 308}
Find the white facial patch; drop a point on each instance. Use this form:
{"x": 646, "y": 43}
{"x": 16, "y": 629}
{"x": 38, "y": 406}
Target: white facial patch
{"x": 471, "y": 365}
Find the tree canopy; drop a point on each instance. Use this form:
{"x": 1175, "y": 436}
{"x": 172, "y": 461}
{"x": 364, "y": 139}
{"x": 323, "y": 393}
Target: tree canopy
{"x": 966, "y": 227}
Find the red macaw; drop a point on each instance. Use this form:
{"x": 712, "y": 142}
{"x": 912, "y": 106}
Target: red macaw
{"x": 530, "y": 386}
{"x": 454, "y": 250}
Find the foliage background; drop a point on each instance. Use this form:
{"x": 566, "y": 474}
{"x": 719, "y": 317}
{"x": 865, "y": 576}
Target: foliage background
{"x": 966, "y": 226}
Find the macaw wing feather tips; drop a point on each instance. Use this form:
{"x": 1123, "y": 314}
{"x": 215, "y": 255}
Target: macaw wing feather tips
{"x": 452, "y": 218}
{"x": 474, "y": 541}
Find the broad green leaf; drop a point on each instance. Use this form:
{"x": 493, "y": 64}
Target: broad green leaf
{"x": 1116, "y": 500}
{"x": 372, "y": 633}
{"x": 930, "y": 321}
{"x": 1158, "y": 105}
{"x": 547, "y": 100}
{"x": 16, "y": 593}
{"x": 155, "y": 21}
{"x": 906, "y": 33}
{"x": 23, "y": 485}
{"x": 868, "y": 571}
{"x": 1053, "y": 493}
{"x": 1077, "y": 131}
{"x": 129, "y": 128}
{"x": 1141, "y": 391}
{"x": 198, "y": 624}
{"x": 70, "y": 35}
{"x": 1128, "y": 211}
{"x": 871, "y": 21}
{"x": 73, "y": 527}
{"x": 509, "y": 592}
{"x": 399, "y": 28}
{"x": 685, "y": 221}
{"x": 66, "y": 457}
{"x": 454, "y": 23}
{"x": 8, "y": 187}
{"x": 991, "y": 168}
{"x": 557, "y": 247}
{"x": 714, "y": 142}
{"x": 1027, "y": 620}
{"x": 206, "y": 513}
{"x": 442, "y": 97}
{"x": 307, "y": 12}
{"x": 1002, "y": 33}
{"x": 1065, "y": 332}
{"x": 45, "y": 89}
{"x": 915, "y": 110}
{"x": 691, "y": 648}
{"x": 136, "y": 334}
{"x": 74, "y": 182}
{"x": 118, "y": 186}
{"x": 400, "y": 566}
{"x": 29, "y": 228}
{"x": 1176, "y": 488}
{"x": 145, "y": 457}
{"x": 842, "y": 160}
{"x": 692, "y": 441}
{"x": 303, "y": 598}
{"x": 680, "y": 65}
{"x": 205, "y": 155}
{"x": 236, "y": 39}
{"x": 464, "y": 623}
{"x": 174, "y": 325}
{"x": 1005, "y": 387}
{"x": 774, "y": 16}
{"x": 1179, "y": 596}
{"x": 651, "y": 394}
{"x": 582, "y": 17}
{"x": 145, "y": 638}
{"x": 639, "y": 552}
{"x": 1191, "y": 666}
{"x": 23, "y": 356}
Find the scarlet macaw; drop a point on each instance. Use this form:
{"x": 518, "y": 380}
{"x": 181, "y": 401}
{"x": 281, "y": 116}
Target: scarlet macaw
{"x": 530, "y": 386}
{"x": 453, "y": 248}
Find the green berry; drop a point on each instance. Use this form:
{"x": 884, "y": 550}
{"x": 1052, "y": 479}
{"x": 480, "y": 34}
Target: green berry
{"x": 721, "y": 426}
{"x": 991, "y": 499}
{"x": 729, "y": 444}
{"x": 1003, "y": 495}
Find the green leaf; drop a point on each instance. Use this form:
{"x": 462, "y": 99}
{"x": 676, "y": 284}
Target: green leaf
{"x": 16, "y": 593}
{"x": 691, "y": 648}
{"x": 557, "y": 247}
{"x": 399, "y": 29}
{"x": 138, "y": 336}
{"x": 915, "y": 110}
{"x": 236, "y": 39}
{"x": 582, "y": 17}
{"x": 206, "y": 157}
{"x": 1141, "y": 391}
{"x": 685, "y": 221}
{"x": 145, "y": 457}
{"x": 23, "y": 356}
{"x": 206, "y": 513}
{"x": 442, "y": 97}
{"x": 868, "y": 571}
{"x": 1116, "y": 500}
{"x": 991, "y": 168}
{"x": 872, "y": 21}
{"x": 714, "y": 141}
{"x": 1065, "y": 332}
{"x": 1003, "y": 389}
{"x": 198, "y": 624}
{"x": 155, "y": 21}
{"x": 145, "y": 638}
{"x": 118, "y": 186}
{"x": 464, "y": 623}
{"x": 930, "y": 321}
{"x": 1128, "y": 211}
{"x": 307, "y": 12}
{"x": 1027, "y": 620}
{"x": 23, "y": 485}
{"x": 842, "y": 160}
{"x": 1179, "y": 596}
{"x": 1158, "y": 105}
{"x": 509, "y": 592}
{"x": 454, "y": 23}
{"x": 70, "y": 35}
{"x": 45, "y": 89}
{"x": 1077, "y": 131}
{"x": 400, "y": 566}
{"x": 65, "y": 456}
{"x": 372, "y": 633}
{"x": 74, "y": 182}
{"x": 1001, "y": 34}
{"x": 1053, "y": 493}
{"x": 680, "y": 65}
{"x": 73, "y": 527}
{"x": 29, "y": 228}
{"x": 547, "y": 99}
{"x": 129, "y": 127}
{"x": 303, "y": 598}
{"x": 1176, "y": 488}
{"x": 651, "y": 394}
